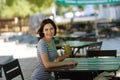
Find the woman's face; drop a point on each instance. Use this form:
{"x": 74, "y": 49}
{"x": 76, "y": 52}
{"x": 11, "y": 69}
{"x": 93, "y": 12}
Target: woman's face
{"x": 48, "y": 31}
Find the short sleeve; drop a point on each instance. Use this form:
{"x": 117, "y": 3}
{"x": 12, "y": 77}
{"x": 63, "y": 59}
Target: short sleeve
{"x": 42, "y": 47}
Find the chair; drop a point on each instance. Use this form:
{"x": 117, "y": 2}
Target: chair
{"x": 95, "y": 46}
{"x": 73, "y": 75}
{"x": 114, "y": 78}
{"x": 81, "y": 52}
{"x": 0, "y": 71}
{"x": 12, "y": 69}
{"x": 101, "y": 53}
{"x": 92, "y": 46}
{"x": 84, "y": 48}
{"x": 88, "y": 39}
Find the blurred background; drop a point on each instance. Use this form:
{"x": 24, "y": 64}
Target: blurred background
{"x": 20, "y": 20}
{"x": 25, "y": 15}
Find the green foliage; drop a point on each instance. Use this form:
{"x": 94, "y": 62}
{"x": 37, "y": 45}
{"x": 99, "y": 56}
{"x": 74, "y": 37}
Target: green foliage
{"x": 38, "y": 3}
{"x": 81, "y": 7}
{"x": 11, "y": 8}
{"x": 62, "y": 9}
{"x": 22, "y": 8}
{"x": 9, "y": 2}
{"x": 7, "y": 12}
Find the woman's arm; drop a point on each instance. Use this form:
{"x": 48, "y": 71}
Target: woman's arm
{"x": 49, "y": 64}
{"x": 61, "y": 58}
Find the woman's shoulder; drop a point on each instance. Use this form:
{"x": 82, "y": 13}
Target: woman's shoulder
{"x": 41, "y": 41}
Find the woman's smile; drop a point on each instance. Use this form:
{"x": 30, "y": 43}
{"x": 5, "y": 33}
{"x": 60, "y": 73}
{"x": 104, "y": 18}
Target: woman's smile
{"x": 48, "y": 31}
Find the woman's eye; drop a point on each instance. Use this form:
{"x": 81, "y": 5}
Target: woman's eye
{"x": 51, "y": 28}
{"x": 46, "y": 29}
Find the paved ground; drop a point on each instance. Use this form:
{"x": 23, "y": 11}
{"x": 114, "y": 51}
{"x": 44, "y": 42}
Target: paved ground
{"x": 113, "y": 44}
{"x": 27, "y": 53}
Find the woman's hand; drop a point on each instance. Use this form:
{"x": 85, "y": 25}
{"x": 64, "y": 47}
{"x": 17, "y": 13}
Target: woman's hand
{"x": 66, "y": 55}
{"x": 71, "y": 62}
{"x": 61, "y": 58}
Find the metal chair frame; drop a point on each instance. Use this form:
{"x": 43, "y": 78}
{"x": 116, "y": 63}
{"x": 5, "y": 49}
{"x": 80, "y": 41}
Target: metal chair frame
{"x": 12, "y": 69}
{"x": 101, "y": 53}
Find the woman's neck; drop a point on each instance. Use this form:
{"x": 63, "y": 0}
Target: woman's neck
{"x": 47, "y": 40}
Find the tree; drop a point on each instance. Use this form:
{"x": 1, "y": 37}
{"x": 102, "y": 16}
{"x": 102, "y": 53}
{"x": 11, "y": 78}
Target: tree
{"x": 11, "y": 8}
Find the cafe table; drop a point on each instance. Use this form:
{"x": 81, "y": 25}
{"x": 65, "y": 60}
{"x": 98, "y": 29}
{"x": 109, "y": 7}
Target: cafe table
{"x": 3, "y": 60}
{"x": 71, "y": 36}
{"x": 74, "y": 44}
{"x": 89, "y": 65}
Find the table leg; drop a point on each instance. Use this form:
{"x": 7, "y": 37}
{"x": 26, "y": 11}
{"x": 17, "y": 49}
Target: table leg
{"x": 0, "y": 72}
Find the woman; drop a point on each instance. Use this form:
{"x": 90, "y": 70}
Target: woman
{"x": 47, "y": 53}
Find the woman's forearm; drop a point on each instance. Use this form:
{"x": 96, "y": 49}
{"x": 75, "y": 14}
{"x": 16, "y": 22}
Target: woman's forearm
{"x": 61, "y": 58}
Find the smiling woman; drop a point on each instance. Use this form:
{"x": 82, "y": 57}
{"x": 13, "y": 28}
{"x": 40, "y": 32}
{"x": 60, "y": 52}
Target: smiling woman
{"x": 47, "y": 52}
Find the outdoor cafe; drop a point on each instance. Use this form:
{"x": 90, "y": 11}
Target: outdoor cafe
{"x": 92, "y": 60}
{"x": 88, "y": 67}
{"x": 84, "y": 49}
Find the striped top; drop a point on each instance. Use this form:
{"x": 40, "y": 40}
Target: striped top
{"x": 44, "y": 48}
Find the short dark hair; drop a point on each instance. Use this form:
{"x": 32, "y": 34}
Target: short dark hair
{"x": 44, "y": 22}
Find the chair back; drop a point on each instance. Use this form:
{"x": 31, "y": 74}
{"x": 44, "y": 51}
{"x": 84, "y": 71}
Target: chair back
{"x": 0, "y": 71}
{"x": 12, "y": 69}
{"x": 88, "y": 39}
{"x": 95, "y": 46}
{"x": 101, "y": 53}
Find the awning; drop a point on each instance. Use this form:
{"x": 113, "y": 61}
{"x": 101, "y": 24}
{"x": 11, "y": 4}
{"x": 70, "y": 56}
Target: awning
{"x": 86, "y": 2}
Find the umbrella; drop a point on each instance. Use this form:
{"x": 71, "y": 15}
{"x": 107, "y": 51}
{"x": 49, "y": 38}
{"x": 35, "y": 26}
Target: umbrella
{"x": 85, "y": 2}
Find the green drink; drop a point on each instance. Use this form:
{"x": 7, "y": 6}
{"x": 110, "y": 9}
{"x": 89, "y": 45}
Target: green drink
{"x": 67, "y": 49}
